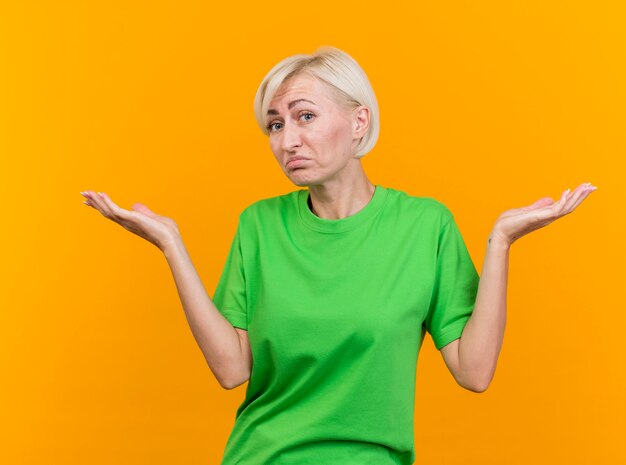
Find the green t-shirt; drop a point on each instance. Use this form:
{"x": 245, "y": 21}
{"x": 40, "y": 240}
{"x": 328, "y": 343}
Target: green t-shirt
{"x": 336, "y": 312}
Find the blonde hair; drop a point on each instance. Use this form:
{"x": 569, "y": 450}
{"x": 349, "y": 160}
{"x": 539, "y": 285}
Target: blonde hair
{"x": 344, "y": 76}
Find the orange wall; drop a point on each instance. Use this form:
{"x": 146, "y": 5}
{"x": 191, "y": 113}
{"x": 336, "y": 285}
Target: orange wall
{"x": 485, "y": 106}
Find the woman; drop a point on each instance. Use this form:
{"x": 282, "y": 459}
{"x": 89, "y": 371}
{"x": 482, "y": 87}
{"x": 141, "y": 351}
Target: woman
{"x": 330, "y": 289}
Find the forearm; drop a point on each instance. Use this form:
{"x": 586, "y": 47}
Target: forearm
{"x": 481, "y": 341}
{"x": 215, "y": 335}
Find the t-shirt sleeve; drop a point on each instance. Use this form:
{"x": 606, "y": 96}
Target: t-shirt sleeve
{"x": 230, "y": 294}
{"x": 455, "y": 287}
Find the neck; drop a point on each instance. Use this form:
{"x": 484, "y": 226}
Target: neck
{"x": 339, "y": 201}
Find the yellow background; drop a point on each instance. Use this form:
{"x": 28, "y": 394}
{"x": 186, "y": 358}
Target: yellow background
{"x": 485, "y": 106}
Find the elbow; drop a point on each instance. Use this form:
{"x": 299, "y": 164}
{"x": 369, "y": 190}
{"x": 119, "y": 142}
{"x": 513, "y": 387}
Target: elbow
{"x": 233, "y": 381}
{"x": 477, "y": 379}
{"x": 231, "y": 374}
{"x": 231, "y": 385}
{"x": 226, "y": 384}
{"x": 477, "y": 386}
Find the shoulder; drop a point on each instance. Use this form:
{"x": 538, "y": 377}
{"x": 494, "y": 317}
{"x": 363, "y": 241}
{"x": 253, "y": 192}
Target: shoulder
{"x": 423, "y": 207}
{"x": 265, "y": 208}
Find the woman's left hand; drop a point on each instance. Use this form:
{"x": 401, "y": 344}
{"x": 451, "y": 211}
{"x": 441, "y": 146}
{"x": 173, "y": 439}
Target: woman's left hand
{"x": 515, "y": 223}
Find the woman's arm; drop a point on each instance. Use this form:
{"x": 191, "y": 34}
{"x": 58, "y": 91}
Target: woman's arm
{"x": 225, "y": 348}
{"x": 472, "y": 359}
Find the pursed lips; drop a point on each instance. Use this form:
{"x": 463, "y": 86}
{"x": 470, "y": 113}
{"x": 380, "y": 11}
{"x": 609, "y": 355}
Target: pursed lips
{"x": 294, "y": 159}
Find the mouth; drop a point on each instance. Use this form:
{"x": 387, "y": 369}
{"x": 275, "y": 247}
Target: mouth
{"x": 296, "y": 162}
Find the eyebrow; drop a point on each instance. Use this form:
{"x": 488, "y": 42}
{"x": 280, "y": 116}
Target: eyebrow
{"x": 271, "y": 111}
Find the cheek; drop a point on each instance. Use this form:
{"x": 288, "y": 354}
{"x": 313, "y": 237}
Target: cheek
{"x": 338, "y": 138}
{"x": 330, "y": 136}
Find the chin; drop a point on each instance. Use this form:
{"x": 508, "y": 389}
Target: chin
{"x": 299, "y": 180}
{"x": 299, "y": 183}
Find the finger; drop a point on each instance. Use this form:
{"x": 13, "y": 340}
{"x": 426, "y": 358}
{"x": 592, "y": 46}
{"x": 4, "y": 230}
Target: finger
{"x": 555, "y": 208}
{"x": 86, "y": 201}
{"x": 90, "y": 196}
{"x": 110, "y": 205}
{"x": 98, "y": 202}
{"x": 106, "y": 205}
{"x": 573, "y": 199}
{"x": 588, "y": 190}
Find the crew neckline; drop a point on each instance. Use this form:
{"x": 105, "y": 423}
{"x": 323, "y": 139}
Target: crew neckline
{"x": 348, "y": 223}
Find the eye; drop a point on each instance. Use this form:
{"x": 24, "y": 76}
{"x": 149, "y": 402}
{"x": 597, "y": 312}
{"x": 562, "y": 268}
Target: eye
{"x": 307, "y": 113}
{"x": 270, "y": 127}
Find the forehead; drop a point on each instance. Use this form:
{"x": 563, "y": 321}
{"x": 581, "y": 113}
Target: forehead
{"x": 302, "y": 85}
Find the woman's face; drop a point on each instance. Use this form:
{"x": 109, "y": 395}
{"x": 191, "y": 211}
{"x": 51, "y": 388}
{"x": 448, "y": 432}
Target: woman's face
{"x": 305, "y": 122}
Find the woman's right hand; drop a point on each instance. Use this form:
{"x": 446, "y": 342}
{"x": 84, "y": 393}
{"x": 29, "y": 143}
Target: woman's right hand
{"x": 142, "y": 221}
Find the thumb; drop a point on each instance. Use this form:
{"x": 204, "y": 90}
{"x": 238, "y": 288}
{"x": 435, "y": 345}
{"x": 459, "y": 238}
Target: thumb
{"x": 141, "y": 208}
{"x": 542, "y": 202}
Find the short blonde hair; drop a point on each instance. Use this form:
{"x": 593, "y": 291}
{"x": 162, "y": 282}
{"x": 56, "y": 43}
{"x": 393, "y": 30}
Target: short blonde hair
{"x": 345, "y": 77}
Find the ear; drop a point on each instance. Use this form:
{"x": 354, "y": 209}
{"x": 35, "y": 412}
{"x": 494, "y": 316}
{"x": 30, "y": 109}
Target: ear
{"x": 360, "y": 121}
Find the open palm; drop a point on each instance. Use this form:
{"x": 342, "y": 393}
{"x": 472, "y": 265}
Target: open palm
{"x": 142, "y": 221}
{"x": 517, "y": 222}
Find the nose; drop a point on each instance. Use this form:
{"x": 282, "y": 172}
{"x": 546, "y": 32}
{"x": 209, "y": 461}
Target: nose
{"x": 290, "y": 136}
